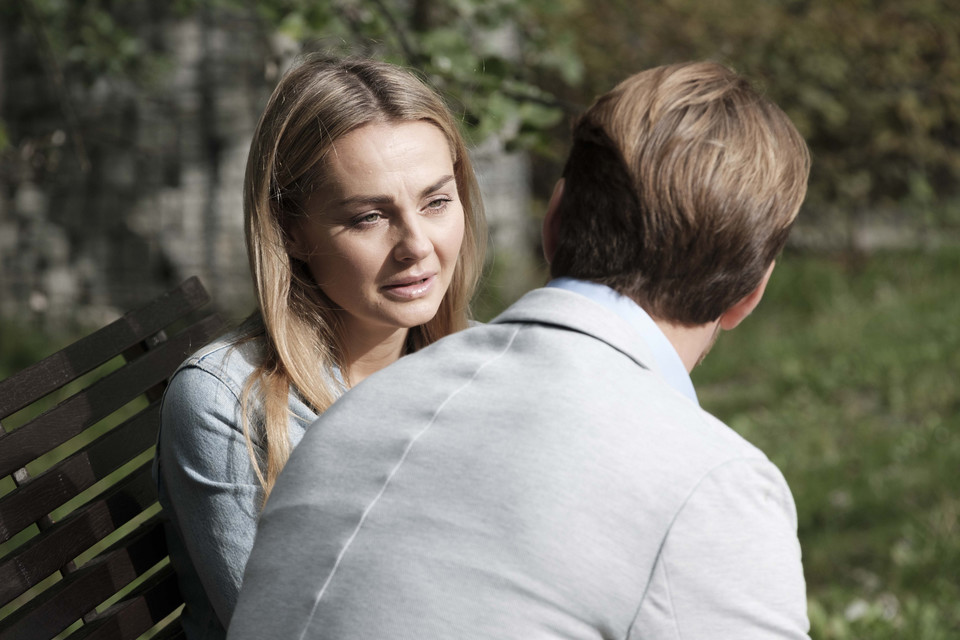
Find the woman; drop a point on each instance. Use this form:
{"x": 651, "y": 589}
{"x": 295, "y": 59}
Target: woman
{"x": 365, "y": 237}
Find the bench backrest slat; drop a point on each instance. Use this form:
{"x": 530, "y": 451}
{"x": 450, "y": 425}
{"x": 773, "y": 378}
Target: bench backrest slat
{"x": 155, "y": 599}
{"x": 90, "y": 352}
{"x": 83, "y": 590}
{"x": 65, "y": 540}
{"x": 54, "y": 487}
{"x": 80, "y": 527}
{"x": 100, "y": 399}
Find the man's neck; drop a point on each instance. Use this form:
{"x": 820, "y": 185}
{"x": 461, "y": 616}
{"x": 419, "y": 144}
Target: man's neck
{"x": 692, "y": 343}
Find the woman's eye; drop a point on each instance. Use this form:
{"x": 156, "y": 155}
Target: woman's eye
{"x": 438, "y": 204}
{"x": 366, "y": 219}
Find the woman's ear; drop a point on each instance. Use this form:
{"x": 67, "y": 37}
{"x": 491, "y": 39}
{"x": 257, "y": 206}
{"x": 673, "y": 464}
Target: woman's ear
{"x": 550, "y": 233}
{"x": 295, "y": 241}
{"x": 739, "y": 311}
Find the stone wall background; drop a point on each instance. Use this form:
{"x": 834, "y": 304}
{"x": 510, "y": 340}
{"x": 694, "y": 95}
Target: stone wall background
{"x": 114, "y": 192}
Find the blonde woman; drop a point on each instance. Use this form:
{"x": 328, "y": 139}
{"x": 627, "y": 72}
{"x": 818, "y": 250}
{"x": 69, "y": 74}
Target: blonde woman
{"x": 365, "y": 235}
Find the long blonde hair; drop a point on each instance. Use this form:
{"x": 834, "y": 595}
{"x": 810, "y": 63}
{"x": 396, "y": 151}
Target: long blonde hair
{"x": 317, "y": 102}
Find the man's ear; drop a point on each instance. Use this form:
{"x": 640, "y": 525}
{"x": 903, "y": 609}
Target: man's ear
{"x": 736, "y": 314}
{"x": 550, "y": 233}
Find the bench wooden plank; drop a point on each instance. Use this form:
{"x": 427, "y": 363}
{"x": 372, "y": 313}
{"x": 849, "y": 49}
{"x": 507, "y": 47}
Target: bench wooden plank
{"x": 65, "y": 540}
{"x": 100, "y": 399}
{"x": 141, "y": 339}
{"x": 42, "y": 494}
{"x": 137, "y": 613}
{"x": 90, "y": 352}
{"x": 80, "y": 592}
{"x": 173, "y": 631}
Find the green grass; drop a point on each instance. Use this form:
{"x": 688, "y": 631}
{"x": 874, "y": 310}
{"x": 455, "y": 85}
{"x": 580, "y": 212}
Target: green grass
{"x": 848, "y": 377}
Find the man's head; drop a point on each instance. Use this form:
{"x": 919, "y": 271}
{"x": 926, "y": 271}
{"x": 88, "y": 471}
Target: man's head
{"x": 680, "y": 189}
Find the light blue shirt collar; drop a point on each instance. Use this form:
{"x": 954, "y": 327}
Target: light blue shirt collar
{"x": 667, "y": 359}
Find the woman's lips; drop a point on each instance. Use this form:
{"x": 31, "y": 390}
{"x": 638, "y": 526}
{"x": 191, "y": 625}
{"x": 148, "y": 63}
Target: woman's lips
{"x": 409, "y": 289}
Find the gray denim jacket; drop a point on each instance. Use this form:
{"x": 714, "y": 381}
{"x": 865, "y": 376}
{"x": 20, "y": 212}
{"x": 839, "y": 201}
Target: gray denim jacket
{"x": 205, "y": 478}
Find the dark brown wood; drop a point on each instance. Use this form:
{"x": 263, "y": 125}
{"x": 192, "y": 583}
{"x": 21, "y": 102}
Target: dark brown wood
{"x": 82, "y": 591}
{"x": 153, "y": 341}
{"x": 154, "y": 600}
{"x": 172, "y": 631}
{"x": 86, "y": 354}
{"x": 65, "y": 540}
{"x": 42, "y": 494}
{"x": 100, "y": 399}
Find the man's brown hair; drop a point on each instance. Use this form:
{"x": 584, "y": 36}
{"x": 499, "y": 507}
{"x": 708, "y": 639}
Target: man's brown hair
{"x": 680, "y": 190}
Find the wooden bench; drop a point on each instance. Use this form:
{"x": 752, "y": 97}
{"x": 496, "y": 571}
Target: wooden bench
{"x": 82, "y": 547}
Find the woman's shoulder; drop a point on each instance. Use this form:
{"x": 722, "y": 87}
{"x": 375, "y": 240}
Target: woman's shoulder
{"x": 230, "y": 358}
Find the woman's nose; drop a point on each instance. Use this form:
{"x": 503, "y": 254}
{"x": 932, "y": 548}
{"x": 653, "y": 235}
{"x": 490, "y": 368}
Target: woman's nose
{"x": 414, "y": 242}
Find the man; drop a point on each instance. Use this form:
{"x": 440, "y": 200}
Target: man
{"x": 550, "y": 474}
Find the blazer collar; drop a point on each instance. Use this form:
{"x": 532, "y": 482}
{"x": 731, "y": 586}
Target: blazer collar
{"x": 574, "y": 312}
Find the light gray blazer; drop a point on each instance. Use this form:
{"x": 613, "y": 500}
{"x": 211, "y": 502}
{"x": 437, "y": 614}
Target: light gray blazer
{"x": 530, "y": 478}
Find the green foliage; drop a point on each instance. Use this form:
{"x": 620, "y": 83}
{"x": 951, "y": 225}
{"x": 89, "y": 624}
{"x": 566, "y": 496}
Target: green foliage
{"x": 846, "y": 377}
{"x": 874, "y": 85}
{"x": 487, "y": 57}
{"x": 92, "y": 39}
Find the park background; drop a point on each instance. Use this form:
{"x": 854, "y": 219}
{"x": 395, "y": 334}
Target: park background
{"x": 123, "y": 132}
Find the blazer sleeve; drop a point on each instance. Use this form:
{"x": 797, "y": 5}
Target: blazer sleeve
{"x": 208, "y": 481}
{"x": 730, "y": 564}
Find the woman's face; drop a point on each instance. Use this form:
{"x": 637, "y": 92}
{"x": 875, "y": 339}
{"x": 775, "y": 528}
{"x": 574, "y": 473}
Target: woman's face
{"x": 383, "y": 233}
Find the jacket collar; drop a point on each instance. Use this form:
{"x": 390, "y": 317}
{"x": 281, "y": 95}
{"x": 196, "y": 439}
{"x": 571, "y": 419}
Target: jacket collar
{"x": 572, "y": 311}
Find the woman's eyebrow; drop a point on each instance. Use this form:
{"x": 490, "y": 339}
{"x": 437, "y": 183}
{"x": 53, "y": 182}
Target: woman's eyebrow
{"x": 436, "y": 185}
{"x": 382, "y": 199}
{"x": 365, "y": 200}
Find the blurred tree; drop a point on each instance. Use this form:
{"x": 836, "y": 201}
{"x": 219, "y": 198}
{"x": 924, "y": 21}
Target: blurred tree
{"x": 488, "y": 55}
{"x": 874, "y": 85}
{"x": 126, "y": 120}
{"x": 76, "y": 44}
